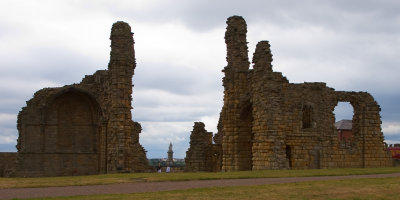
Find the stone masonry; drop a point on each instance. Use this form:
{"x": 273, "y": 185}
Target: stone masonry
{"x": 201, "y": 153}
{"x": 268, "y": 123}
{"x": 7, "y": 164}
{"x": 84, "y": 128}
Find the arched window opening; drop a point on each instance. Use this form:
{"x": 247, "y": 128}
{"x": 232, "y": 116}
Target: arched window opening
{"x": 344, "y": 121}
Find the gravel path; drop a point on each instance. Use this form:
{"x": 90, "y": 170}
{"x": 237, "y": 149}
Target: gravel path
{"x": 162, "y": 186}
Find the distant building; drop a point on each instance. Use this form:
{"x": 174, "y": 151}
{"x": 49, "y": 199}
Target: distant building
{"x": 170, "y": 160}
{"x": 344, "y": 128}
{"x": 395, "y": 151}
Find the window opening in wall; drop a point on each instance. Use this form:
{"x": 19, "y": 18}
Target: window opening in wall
{"x": 344, "y": 121}
{"x": 317, "y": 159}
{"x": 289, "y": 155}
{"x": 307, "y": 116}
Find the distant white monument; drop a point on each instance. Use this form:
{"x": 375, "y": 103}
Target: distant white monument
{"x": 170, "y": 160}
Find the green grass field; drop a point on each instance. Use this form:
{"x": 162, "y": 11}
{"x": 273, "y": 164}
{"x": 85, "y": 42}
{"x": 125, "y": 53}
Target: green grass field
{"x": 146, "y": 177}
{"x": 355, "y": 189}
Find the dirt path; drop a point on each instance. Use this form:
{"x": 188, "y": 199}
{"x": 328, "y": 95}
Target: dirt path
{"x": 162, "y": 186}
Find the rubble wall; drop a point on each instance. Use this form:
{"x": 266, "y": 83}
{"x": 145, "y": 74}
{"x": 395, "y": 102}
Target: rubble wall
{"x": 202, "y": 154}
{"x": 7, "y": 164}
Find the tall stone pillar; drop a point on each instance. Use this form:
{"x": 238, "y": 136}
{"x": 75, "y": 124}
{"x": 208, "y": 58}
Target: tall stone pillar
{"x": 236, "y": 117}
{"x": 266, "y": 94}
{"x": 120, "y": 126}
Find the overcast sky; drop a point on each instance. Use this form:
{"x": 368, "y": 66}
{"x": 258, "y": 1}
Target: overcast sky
{"x": 180, "y": 52}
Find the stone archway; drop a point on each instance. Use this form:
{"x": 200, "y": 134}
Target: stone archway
{"x": 76, "y": 124}
{"x": 74, "y": 115}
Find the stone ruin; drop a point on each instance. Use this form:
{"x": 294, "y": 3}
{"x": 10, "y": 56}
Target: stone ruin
{"x": 202, "y": 154}
{"x": 268, "y": 123}
{"x": 84, "y": 128}
{"x": 265, "y": 123}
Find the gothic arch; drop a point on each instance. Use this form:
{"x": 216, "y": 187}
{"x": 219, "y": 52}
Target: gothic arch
{"x": 72, "y": 130}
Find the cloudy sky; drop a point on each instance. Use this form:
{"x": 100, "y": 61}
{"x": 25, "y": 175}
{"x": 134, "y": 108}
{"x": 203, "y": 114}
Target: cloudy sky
{"x": 180, "y": 52}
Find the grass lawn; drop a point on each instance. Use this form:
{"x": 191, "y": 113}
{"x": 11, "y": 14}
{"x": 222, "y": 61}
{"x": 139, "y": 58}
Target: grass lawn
{"x": 379, "y": 188}
{"x": 145, "y": 177}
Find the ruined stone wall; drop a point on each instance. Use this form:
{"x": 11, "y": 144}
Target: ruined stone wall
{"x": 291, "y": 125}
{"x": 367, "y": 138}
{"x": 84, "y": 128}
{"x": 268, "y": 121}
{"x": 7, "y": 164}
{"x": 199, "y": 156}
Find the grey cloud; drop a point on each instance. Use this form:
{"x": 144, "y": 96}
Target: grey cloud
{"x": 156, "y": 137}
{"x": 36, "y": 68}
{"x": 343, "y": 110}
{"x": 11, "y": 105}
{"x": 203, "y": 15}
{"x": 172, "y": 113}
{"x": 8, "y": 137}
{"x": 46, "y": 63}
{"x": 392, "y": 139}
{"x": 8, "y": 148}
{"x": 176, "y": 79}
{"x": 351, "y": 45}
{"x": 157, "y": 105}
{"x": 390, "y": 108}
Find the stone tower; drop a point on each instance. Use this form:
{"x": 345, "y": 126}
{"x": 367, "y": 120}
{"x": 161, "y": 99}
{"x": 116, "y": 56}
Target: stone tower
{"x": 121, "y": 68}
{"x": 269, "y": 150}
{"x": 236, "y": 114}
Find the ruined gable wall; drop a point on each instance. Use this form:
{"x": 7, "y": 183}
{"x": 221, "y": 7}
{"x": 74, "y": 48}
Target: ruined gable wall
{"x": 313, "y": 135}
{"x": 280, "y": 140}
{"x": 110, "y": 140}
{"x": 294, "y": 123}
{"x": 50, "y": 143}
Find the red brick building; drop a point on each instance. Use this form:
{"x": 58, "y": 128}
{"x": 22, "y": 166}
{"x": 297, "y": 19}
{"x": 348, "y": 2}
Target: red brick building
{"x": 344, "y": 128}
{"x": 395, "y": 151}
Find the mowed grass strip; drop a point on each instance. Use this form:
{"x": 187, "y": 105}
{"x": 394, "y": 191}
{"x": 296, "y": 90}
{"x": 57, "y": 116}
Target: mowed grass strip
{"x": 147, "y": 177}
{"x": 374, "y": 188}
